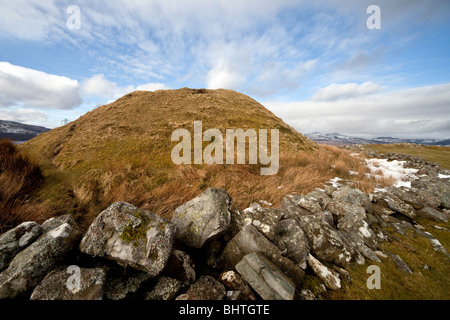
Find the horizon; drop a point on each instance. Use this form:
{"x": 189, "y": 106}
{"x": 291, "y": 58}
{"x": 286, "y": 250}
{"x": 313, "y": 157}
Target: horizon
{"x": 315, "y": 64}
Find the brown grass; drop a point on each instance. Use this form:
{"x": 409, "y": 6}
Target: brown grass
{"x": 18, "y": 176}
{"x": 297, "y": 174}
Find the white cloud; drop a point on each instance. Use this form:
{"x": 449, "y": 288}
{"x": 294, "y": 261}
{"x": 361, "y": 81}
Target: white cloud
{"x": 100, "y": 87}
{"x": 337, "y": 91}
{"x": 24, "y": 115}
{"x": 415, "y": 112}
{"x": 36, "y": 89}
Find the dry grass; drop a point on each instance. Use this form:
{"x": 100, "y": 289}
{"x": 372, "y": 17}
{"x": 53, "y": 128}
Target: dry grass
{"x": 19, "y": 175}
{"x": 162, "y": 193}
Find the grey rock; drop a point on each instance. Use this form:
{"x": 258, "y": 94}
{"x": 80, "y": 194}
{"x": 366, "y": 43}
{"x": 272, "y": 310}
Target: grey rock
{"x": 203, "y": 218}
{"x": 353, "y": 196}
{"x": 233, "y": 295}
{"x": 306, "y": 202}
{"x": 322, "y": 197}
{"x": 445, "y": 199}
{"x": 326, "y": 243}
{"x": 330, "y": 278}
{"x": 401, "y": 265}
{"x": 341, "y": 209}
{"x": 295, "y": 241}
{"x": 15, "y": 240}
{"x": 432, "y": 214}
{"x": 289, "y": 209}
{"x": 264, "y": 219}
{"x": 130, "y": 236}
{"x": 61, "y": 285}
{"x": 205, "y": 288}
{"x": 265, "y": 278}
{"x": 165, "y": 289}
{"x": 429, "y": 198}
{"x": 249, "y": 240}
{"x": 31, "y": 265}
{"x": 357, "y": 227}
{"x": 124, "y": 286}
{"x": 394, "y": 203}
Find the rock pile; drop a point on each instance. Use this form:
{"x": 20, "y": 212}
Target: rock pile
{"x": 210, "y": 251}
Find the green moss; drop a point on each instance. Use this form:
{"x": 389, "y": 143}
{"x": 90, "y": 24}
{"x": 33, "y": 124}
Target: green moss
{"x": 135, "y": 233}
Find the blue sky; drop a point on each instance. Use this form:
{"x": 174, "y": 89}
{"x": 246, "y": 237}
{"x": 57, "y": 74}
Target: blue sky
{"x": 315, "y": 64}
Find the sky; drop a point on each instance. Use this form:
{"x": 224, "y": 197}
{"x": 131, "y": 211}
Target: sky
{"x": 314, "y": 63}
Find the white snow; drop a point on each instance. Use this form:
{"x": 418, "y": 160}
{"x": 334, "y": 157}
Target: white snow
{"x": 394, "y": 169}
{"x": 443, "y": 176}
{"x": 335, "y": 182}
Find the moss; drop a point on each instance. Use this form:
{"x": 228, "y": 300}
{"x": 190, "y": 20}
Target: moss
{"x": 135, "y": 233}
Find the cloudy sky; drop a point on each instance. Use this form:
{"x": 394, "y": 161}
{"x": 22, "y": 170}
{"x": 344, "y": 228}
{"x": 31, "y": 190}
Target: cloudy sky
{"x": 314, "y": 63}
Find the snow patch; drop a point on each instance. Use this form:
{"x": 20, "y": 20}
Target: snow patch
{"x": 444, "y": 176}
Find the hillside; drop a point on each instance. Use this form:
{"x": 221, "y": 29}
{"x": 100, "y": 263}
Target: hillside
{"x": 122, "y": 151}
{"x": 17, "y": 131}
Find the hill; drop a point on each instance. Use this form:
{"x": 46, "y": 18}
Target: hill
{"x": 17, "y": 131}
{"x": 122, "y": 151}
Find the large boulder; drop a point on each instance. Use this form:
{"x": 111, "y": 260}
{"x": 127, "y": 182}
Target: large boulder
{"x": 59, "y": 285}
{"x": 265, "y": 278}
{"x": 340, "y": 209}
{"x": 15, "y": 240}
{"x": 203, "y": 218}
{"x": 131, "y": 236}
{"x": 32, "y": 264}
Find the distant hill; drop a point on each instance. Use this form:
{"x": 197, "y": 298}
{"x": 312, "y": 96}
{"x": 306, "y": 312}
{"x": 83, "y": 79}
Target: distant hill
{"x": 17, "y": 131}
{"x": 341, "y": 139}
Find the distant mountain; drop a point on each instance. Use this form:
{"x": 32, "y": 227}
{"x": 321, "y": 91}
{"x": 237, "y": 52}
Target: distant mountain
{"x": 341, "y": 139}
{"x": 17, "y": 131}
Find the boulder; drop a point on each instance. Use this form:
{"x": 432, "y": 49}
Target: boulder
{"x": 130, "y": 236}
{"x": 15, "y": 240}
{"x": 265, "y": 278}
{"x": 401, "y": 265}
{"x": 294, "y": 240}
{"x": 33, "y": 263}
{"x": 249, "y": 240}
{"x": 205, "y": 288}
{"x": 61, "y": 285}
{"x": 203, "y": 218}
{"x": 326, "y": 243}
{"x": 432, "y": 214}
{"x": 445, "y": 200}
{"x": 322, "y": 197}
{"x": 329, "y": 277}
{"x": 289, "y": 209}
